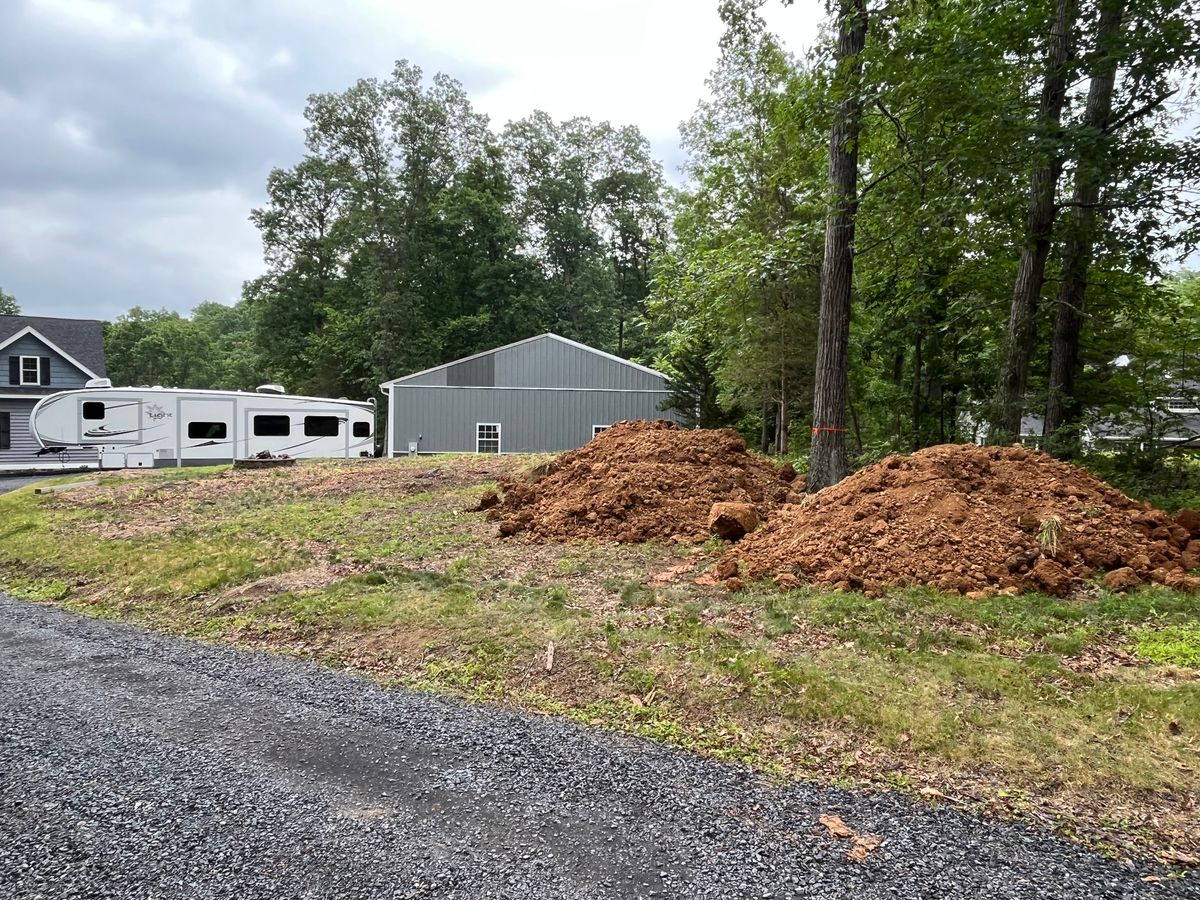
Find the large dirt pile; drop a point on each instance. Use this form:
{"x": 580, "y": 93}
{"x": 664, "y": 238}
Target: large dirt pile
{"x": 641, "y": 481}
{"x": 966, "y": 519}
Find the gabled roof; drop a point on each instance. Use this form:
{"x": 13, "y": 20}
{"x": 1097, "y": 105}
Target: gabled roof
{"x": 537, "y": 337}
{"x": 79, "y": 341}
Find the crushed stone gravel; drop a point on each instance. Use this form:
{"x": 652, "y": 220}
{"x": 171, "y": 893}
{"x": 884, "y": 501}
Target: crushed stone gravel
{"x": 134, "y": 765}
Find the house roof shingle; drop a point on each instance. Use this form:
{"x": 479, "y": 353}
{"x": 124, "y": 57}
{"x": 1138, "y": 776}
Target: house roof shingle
{"x": 83, "y": 339}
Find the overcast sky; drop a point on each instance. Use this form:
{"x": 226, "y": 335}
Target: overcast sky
{"x": 136, "y": 136}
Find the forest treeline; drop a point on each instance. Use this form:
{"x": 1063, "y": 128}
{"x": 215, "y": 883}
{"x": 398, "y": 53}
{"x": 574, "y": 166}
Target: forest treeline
{"x": 945, "y": 218}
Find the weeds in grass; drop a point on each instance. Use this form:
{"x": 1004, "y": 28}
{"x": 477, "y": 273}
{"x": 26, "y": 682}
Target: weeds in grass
{"x": 1177, "y": 645}
{"x": 1049, "y": 531}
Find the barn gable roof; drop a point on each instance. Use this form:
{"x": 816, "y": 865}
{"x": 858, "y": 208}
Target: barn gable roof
{"x": 418, "y": 377}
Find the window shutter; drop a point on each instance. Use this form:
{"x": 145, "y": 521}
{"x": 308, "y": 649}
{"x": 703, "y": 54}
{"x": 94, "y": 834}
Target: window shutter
{"x": 14, "y": 370}
{"x": 45, "y": 370}
{"x": 5, "y": 431}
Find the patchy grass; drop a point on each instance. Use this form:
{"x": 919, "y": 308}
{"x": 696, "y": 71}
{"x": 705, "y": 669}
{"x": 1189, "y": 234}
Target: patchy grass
{"x": 1080, "y": 714}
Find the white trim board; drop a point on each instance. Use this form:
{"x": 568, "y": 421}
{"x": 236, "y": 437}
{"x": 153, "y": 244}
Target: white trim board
{"x": 30, "y": 330}
{"x": 537, "y": 337}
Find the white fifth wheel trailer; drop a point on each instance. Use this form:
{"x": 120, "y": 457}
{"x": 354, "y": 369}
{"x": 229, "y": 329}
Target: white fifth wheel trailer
{"x": 164, "y": 427}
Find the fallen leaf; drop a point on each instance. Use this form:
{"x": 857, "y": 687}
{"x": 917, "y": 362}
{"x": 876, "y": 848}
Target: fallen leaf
{"x": 1179, "y": 858}
{"x": 837, "y": 828}
{"x": 863, "y": 844}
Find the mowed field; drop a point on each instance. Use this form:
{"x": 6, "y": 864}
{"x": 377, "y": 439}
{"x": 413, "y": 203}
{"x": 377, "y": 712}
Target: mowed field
{"x": 1079, "y": 714}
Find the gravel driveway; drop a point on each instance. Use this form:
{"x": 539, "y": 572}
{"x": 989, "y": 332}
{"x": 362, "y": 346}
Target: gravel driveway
{"x": 136, "y": 765}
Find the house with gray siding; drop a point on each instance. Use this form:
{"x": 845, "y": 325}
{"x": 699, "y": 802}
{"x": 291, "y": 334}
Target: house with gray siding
{"x": 40, "y": 356}
{"x": 542, "y": 394}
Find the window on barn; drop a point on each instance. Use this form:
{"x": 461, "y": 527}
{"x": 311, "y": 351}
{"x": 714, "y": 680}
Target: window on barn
{"x": 31, "y": 370}
{"x": 1181, "y": 405}
{"x": 93, "y": 409}
{"x": 5, "y": 431}
{"x": 272, "y": 426}
{"x": 487, "y": 437}
{"x": 321, "y": 426}
{"x": 596, "y": 429}
{"x": 362, "y": 429}
{"x": 207, "y": 431}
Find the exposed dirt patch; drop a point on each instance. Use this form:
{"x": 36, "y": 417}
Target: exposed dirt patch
{"x": 964, "y": 518}
{"x": 642, "y": 481}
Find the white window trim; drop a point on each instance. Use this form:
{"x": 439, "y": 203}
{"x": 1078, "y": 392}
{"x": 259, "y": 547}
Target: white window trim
{"x": 37, "y": 377}
{"x": 596, "y": 429}
{"x": 499, "y": 435}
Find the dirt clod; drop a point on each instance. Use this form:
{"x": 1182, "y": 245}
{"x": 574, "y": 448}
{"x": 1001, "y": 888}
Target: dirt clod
{"x": 641, "y": 481}
{"x": 969, "y": 519}
{"x": 1122, "y": 579}
{"x": 732, "y": 521}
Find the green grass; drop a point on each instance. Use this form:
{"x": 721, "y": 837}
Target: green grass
{"x": 1177, "y": 645}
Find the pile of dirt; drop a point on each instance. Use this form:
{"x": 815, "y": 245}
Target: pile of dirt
{"x": 641, "y": 481}
{"x": 971, "y": 519}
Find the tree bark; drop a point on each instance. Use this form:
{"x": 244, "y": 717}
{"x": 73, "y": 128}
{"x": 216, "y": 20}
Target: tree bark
{"x": 1063, "y": 411}
{"x": 1039, "y": 228}
{"x": 827, "y": 461}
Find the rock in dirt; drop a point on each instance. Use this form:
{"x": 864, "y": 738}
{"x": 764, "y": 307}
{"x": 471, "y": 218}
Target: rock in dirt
{"x": 1122, "y": 579}
{"x": 486, "y": 501}
{"x": 787, "y": 581}
{"x": 641, "y": 481}
{"x": 732, "y": 521}
{"x": 1189, "y": 520}
{"x": 968, "y": 519}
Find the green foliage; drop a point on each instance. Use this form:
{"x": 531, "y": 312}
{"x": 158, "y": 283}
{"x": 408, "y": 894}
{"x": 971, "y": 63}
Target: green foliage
{"x": 1177, "y": 645}
{"x": 215, "y": 348}
{"x": 8, "y": 304}
{"x": 410, "y": 234}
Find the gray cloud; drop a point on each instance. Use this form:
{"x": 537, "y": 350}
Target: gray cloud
{"x": 136, "y": 136}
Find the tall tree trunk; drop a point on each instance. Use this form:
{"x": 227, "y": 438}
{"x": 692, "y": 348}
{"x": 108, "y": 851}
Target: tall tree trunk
{"x": 1039, "y": 228}
{"x": 827, "y": 462}
{"x": 781, "y": 435}
{"x": 1063, "y": 411}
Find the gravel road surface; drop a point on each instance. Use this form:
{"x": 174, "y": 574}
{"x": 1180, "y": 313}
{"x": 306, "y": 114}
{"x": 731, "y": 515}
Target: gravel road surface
{"x": 12, "y": 482}
{"x": 134, "y": 765}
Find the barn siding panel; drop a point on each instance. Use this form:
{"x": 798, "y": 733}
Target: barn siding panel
{"x": 532, "y": 421}
{"x": 551, "y": 363}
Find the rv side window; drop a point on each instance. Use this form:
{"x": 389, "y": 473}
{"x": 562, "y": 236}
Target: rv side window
{"x": 362, "y": 429}
{"x": 93, "y": 409}
{"x": 272, "y": 426}
{"x": 207, "y": 431}
{"x": 321, "y": 426}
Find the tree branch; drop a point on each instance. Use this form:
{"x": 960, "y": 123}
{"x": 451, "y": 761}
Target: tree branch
{"x": 1140, "y": 111}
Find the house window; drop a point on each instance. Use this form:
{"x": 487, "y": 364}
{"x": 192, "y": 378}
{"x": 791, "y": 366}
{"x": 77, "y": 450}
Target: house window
{"x": 5, "y": 431}
{"x": 1181, "y": 405}
{"x": 321, "y": 426}
{"x": 487, "y": 437}
{"x": 93, "y": 409}
{"x": 207, "y": 431}
{"x": 31, "y": 370}
{"x": 272, "y": 426}
{"x": 596, "y": 429}
{"x": 362, "y": 429}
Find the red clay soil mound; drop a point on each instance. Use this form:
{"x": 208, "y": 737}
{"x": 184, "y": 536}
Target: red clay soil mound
{"x": 641, "y": 481}
{"x": 967, "y": 519}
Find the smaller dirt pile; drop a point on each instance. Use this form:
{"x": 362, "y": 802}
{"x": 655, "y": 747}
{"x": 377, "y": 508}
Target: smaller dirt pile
{"x": 641, "y": 481}
{"x": 967, "y": 518}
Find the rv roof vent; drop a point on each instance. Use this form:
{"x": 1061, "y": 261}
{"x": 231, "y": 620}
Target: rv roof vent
{"x": 271, "y": 389}
{"x": 98, "y": 382}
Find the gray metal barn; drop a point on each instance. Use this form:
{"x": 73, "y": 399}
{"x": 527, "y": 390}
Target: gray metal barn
{"x": 542, "y": 394}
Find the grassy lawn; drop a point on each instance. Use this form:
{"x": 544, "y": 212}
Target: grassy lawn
{"x": 1081, "y": 714}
